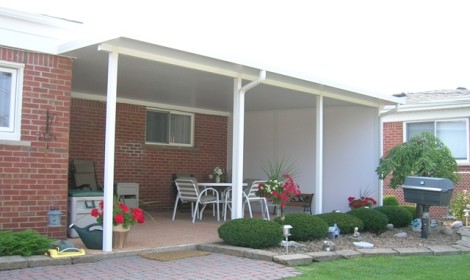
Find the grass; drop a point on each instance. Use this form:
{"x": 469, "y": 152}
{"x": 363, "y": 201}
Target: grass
{"x": 410, "y": 267}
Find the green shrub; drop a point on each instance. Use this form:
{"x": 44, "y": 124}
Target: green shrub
{"x": 390, "y": 200}
{"x": 344, "y": 221}
{"x": 305, "y": 227}
{"x": 411, "y": 209}
{"x": 374, "y": 221}
{"x": 458, "y": 203}
{"x": 251, "y": 233}
{"x": 23, "y": 243}
{"x": 396, "y": 215}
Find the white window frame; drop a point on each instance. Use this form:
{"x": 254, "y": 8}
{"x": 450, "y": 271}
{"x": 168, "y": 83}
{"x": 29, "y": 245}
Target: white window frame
{"x": 172, "y": 112}
{"x": 459, "y": 161}
{"x": 13, "y": 131}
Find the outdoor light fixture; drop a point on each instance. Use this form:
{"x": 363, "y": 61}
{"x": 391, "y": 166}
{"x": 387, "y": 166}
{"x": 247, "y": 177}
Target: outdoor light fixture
{"x": 54, "y": 217}
{"x": 467, "y": 214}
{"x": 286, "y": 230}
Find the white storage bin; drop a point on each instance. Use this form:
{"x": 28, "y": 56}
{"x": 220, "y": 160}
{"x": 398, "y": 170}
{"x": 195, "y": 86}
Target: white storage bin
{"x": 80, "y": 212}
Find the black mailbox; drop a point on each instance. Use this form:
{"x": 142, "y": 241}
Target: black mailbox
{"x": 428, "y": 190}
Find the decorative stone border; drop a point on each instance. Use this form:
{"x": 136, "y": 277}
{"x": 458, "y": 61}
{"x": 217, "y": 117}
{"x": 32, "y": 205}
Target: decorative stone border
{"x": 461, "y": 247}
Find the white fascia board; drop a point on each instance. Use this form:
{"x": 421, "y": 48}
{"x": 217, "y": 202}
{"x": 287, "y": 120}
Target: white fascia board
{"x": 422, "y": 115}
{"x": 85, "y": 41}
{"x": 29, "y": 42}
{"x": 34, "y": 32}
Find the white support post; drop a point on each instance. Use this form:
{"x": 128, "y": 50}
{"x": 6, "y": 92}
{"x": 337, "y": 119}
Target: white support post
{"x": 109, "y": 151}
{"x": 381, "y": 149}
{"x": 319, "y": 158}
{"x": 238, "y": 134}
{"x": 237, "y": 154}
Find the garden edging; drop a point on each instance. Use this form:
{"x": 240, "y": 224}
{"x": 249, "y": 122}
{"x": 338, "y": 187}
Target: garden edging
{"x": 461, "y": 247}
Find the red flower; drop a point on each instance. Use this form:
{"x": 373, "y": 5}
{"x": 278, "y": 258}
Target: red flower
{"x": 361, "y": 202}
{"x": 95, "y": 212}
{"x": 124, "y": 207}
{"x": 119, "y": 219}
{"x": 280, "y": 191}
{"x": 122, "y": 214}
{"x": 138, "y": 215}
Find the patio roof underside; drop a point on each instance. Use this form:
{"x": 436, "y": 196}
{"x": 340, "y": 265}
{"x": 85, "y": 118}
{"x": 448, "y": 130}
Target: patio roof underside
{"x": 151, "y": 74}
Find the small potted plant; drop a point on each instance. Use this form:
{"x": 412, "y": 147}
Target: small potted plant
{"x": 217, "y": 174}
{"x": 364, "y": 200}
{"x": 123, "y": 218}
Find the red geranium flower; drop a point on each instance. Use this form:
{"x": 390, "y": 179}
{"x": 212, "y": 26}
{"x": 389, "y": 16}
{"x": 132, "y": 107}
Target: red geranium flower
{"x": 122, "y": 214}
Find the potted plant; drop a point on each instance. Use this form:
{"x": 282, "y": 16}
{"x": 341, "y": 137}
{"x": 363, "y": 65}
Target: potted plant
{"x": 123, "y": 218}
{"x": 218, "y": 172}
{"x": 280, "y": 187}
{"x": 280, "y": 191}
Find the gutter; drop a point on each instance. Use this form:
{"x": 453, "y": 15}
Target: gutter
{"x": 247, "y": 87}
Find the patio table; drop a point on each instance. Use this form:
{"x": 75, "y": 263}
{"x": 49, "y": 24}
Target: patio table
{"x": 218, "y": 186}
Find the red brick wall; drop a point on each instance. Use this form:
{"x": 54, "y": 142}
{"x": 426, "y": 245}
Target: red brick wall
{"x": 31, "y": 177}
{"x": 149, "y": 166}
{"x": 393, "y": 136}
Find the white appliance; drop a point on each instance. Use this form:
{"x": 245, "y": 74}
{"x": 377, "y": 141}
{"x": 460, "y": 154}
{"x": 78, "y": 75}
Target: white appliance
{"x": 130, "y": 193}
{"x": 80, "y": 206}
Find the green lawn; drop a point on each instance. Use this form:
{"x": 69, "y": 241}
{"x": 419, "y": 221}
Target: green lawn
{"x": 412, "y": 267}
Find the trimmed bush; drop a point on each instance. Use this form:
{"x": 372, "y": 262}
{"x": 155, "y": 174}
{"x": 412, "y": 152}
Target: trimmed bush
{"x": 396, "y": 215}
{"x": 251, "y": 233}
{"x": 411, "y": 209}
{"x": 390, "y": 200}
{"x": 305, "y": 227}
{"x": 374, "y": 221}
{"x": 24, "y": 243}
{"x": 344, "y": 221}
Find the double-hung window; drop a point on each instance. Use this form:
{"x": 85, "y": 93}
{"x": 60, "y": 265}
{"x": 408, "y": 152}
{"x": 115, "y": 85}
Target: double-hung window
{"x": 11, "y": 87}
{"x": 169, "y": 128}
{"x": 453, "y": 133}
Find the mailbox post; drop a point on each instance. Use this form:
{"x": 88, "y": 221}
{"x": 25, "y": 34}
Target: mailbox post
{"x": 427, "y": 191}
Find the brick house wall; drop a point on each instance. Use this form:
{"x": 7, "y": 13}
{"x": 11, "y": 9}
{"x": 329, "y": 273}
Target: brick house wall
{"x": 33, "y": 177}
{"x": 148, "y": 165}
{"x": 393, "y": 136}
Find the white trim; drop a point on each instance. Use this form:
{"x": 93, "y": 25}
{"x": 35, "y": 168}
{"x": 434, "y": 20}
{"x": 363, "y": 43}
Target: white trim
{"x": 423, "y": 115}
{"x": 87, "y": 96}
{"x": 13, "y": 131}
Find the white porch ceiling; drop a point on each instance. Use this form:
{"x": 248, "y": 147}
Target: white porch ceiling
{"x": 158, "y": 75}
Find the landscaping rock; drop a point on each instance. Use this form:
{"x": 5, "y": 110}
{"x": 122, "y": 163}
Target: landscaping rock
{"x": 328, "y": 246}
{"x": 457, "y": 224}
{"x": 401, "y": 235}
{"x": 446, "y": 231}
{"x": 363, "y": 245}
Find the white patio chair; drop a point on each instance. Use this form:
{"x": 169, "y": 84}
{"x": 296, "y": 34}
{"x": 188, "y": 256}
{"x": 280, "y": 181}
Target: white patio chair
{"x": 188, "y": 191}
{"x": 249, "y": 195}
{"x": 252, "y": 196}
